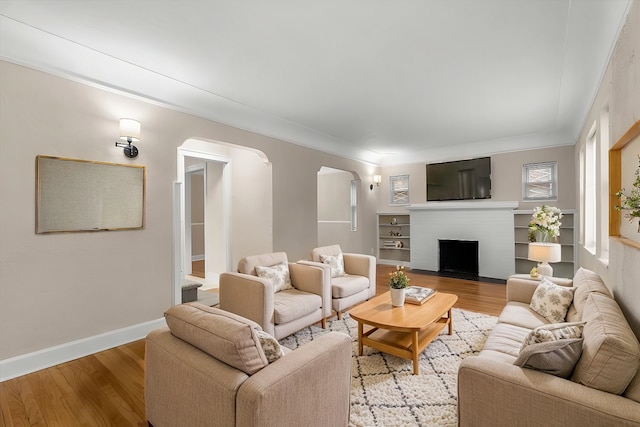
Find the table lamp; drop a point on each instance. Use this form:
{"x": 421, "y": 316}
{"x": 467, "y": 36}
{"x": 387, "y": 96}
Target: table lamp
{"x": 544, "y": 253}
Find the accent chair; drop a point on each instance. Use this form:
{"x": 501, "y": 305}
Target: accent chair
{"x": 281, "y": 296}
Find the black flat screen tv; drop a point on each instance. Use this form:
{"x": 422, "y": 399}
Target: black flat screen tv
{"x": 459, "y": 180}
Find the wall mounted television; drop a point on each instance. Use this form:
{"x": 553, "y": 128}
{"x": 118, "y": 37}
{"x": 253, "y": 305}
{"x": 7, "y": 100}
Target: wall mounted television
{"x": 459, "y": 180}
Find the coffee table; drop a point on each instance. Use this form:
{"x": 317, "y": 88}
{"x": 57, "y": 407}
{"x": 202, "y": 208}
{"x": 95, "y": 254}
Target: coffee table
{"x": 402, "y": 331}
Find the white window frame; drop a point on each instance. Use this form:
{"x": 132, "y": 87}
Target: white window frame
{"x": 354, "y": 205}
{"x": 527, "y": 186}
{"x": 398, "y": 190}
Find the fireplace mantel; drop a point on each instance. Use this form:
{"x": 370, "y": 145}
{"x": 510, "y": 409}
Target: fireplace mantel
{"x": 488, "y": 222}
{"x": 455, "y": 205}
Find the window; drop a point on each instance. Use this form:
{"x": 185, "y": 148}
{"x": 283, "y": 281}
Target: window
{"x": 589, "y": 183}
{"x": 540, "y": 181}
{"x": 399, "y": 190}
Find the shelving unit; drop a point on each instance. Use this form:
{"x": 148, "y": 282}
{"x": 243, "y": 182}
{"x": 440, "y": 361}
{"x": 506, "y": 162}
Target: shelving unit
{"x": 394, "y": 239}
{"x": 567, "y": 239}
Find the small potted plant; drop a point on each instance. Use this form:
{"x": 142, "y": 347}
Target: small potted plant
{"x": 630, "y": 202}
{"x": 398, "y": 282}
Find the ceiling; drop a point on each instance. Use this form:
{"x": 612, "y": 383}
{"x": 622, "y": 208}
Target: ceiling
{"x": 386, "y": 82}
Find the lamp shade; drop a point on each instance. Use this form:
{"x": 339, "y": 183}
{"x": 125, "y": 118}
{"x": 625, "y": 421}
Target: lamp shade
{"x": 129, "y": 130}
{"x": 544, "y": 252}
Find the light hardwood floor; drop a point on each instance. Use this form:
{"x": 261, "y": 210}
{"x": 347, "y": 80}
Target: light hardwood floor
{"x": 107, "y": 388}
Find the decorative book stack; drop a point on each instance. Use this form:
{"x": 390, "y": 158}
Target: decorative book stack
{"x": 418, "y": 295}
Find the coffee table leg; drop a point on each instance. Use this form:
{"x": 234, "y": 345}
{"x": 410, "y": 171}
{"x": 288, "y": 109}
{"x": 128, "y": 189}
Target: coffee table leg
{"x": 450, "y": 322}
{"x": 360, "y": 328}
{"x": 414, "y": 350}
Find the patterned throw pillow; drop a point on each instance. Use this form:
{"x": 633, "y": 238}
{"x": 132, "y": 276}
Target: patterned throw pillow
{"x": 278, "y": 274}
{"x": 336, "y": 262}
{"x": 552, "y": 301}
{"x": 554, "y": 332}
{"x": 270, "y": 346}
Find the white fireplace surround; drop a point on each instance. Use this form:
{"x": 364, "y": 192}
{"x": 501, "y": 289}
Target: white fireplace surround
{"x": 490, "y": 223}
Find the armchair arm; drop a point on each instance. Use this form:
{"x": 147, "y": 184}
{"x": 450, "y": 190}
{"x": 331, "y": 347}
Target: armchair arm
{"x": 362, "y": 265}
{"x": 248, "y": 296}
{"x": 312, "y": 278}
{"x": 493, "y": 393}
{"x": 280, "y": 393}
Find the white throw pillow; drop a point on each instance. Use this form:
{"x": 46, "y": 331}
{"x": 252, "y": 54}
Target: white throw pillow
{"x": 554, "y": 332}
{"x": 336, "y": 262}
{"x": 278, "y": 274}
{"x": 552, "y": 301}
{"x": 270, "y": 346}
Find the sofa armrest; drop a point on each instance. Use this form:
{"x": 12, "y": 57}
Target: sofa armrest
{"x": 248, "y": 296}
{"x": 362, "y": 265}
{"x": 494, "y": 393}
{"x": 521, "y": 290}
{"x": 281, "y": 393}
{"x": 310, "y": 278}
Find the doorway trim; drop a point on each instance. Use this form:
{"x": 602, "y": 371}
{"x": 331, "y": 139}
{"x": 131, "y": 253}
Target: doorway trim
{"x": 180, "y": 199}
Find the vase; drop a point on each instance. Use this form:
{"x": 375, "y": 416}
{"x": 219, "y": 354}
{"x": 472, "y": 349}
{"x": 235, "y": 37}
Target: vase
{"x": 397, "y": 297}
{"x": 541, "y": 236}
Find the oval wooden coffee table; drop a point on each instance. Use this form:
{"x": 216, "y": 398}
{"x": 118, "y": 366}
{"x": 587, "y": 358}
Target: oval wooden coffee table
{"x": 402, "y": 331}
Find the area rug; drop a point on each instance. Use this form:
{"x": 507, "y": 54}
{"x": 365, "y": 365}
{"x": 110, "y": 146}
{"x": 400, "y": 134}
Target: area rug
{"x": 384, "y": 391}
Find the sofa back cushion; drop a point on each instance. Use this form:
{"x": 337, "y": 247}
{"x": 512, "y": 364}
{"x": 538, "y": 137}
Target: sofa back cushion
{"x": 610, "y": 353}
{"x": 248, "y": 264}
{"x": 585, "y": 281}
{"x": 230, "y": 338}
{"x": 331, "y": 250}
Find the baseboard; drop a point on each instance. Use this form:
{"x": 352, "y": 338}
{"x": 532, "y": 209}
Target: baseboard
{"x": 45, "y": 358}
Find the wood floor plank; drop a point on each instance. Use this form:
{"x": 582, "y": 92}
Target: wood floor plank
{"x": 107, "y": 388}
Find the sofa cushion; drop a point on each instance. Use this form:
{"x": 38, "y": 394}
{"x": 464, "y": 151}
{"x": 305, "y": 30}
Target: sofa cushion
{"x": 336, "y": 262}
{"x": 278, "y": 274}
{"x": 519, "y": 314}
{"x": 585, "y": 282}
{"x": 557, "y": 357}
{"x": 611, "y": 353}
{"x": 292, "y": 304}
{"x": 551, "y": 301}
{"x": 348, "y": 285}
{"x": 230, "y": 338}
{"x": 633, "y": 391}
{"x": 248, "y": 264}
{"x": 554, "y": 332}
{"x": 505, "y": 338}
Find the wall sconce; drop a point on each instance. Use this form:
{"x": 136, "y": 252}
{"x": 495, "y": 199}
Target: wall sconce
{"x": 544, "y": 253}
{"x": 129, "y": 132}
{"x": 377, "y": 179}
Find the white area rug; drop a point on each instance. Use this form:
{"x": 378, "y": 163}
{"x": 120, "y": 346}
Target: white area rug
{"x": 384, "y": 391}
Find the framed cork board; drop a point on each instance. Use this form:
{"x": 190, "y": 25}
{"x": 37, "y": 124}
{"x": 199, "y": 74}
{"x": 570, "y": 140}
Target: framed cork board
{"x": 623, "y": 161}
{"x": 79, "y": 195}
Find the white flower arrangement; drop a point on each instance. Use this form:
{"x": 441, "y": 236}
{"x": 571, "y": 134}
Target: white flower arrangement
{"x": 546, "y": 219}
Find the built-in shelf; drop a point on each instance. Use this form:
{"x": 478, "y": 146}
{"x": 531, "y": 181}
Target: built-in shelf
{"x": 394, "y": 239}
{"x": 567, "y": 239}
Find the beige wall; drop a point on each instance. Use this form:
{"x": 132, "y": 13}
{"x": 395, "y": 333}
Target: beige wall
{"x": 506, "y": 179}
{"x": 59, "y": 288}
{"x": 620, "y": 94}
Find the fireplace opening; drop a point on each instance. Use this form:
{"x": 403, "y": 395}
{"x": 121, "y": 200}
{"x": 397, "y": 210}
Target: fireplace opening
{"x": 459, "y": 259}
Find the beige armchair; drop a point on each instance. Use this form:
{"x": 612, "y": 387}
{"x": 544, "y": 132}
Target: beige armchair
{"x": 210, "y": 367}
{"x": 350, "y": 286}
{"x": 280, "y": 308}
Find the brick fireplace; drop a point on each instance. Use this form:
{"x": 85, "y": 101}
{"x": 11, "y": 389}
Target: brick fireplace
{"x": 487, "y": 222}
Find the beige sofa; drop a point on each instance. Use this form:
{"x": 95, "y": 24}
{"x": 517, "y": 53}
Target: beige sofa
{"x": 211, "y": 367}
{"x": 602, "y": 390}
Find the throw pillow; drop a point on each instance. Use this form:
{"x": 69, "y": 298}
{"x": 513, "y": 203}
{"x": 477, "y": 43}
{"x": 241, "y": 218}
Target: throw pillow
{"x": 557, "y": 357}
{"x": 278, "y": 274}
{"x": 554, "y": 332}
{"x": 336, "y": 262}
{"x": 270, "y": 346}
{"x": 552, "y": 301}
